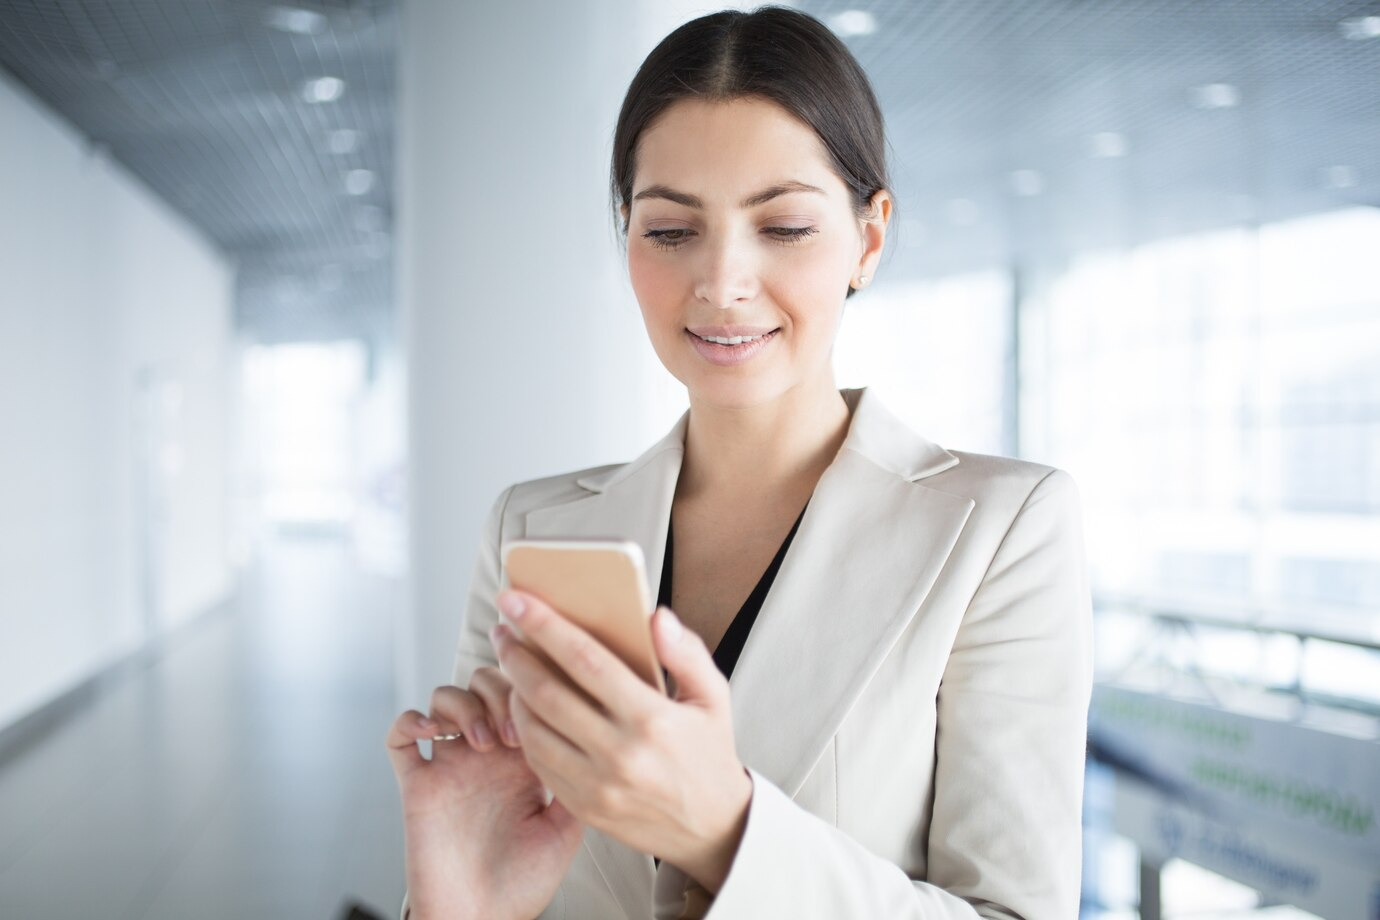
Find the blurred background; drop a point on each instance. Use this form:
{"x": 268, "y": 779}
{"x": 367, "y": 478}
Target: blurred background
{"x": 288, "y": 294}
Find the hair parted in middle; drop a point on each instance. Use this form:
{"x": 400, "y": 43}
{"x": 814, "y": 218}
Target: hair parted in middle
{"x": 771, "y": 52}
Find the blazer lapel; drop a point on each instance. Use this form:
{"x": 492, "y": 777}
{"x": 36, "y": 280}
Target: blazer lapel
{"x": 869, "y": 548}
{"x": 628, "y": 502}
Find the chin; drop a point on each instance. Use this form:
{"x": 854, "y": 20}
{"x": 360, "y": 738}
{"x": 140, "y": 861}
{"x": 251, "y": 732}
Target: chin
{"x": 727, "y": 393}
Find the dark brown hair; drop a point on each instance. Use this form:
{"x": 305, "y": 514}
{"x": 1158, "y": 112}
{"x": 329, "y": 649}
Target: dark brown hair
{"x": 773, "y": 52}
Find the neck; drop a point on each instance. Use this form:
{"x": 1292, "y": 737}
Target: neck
{"x": 771, "y": 449}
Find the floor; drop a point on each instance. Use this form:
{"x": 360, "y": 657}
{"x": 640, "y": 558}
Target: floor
{"x": 241, "y": 774}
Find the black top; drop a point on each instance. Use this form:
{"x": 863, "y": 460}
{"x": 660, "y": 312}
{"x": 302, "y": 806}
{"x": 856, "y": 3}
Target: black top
{"x": 731, "y": 645}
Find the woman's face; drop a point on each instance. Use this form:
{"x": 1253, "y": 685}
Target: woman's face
{"x": 739, "y": 227}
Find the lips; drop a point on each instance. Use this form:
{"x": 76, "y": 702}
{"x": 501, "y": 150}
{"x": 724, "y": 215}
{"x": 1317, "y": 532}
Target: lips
{"x": 725, "y": 355}
{"x": 728, "y": 332}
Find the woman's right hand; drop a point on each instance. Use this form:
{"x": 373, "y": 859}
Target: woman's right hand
{"x": 481, "y": 841}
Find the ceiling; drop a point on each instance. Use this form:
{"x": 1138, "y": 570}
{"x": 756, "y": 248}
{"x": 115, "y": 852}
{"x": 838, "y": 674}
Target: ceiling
{"x": 1022, "y": 131}
{"x": 205, "y": 100}
{"x": 975, "y": 91}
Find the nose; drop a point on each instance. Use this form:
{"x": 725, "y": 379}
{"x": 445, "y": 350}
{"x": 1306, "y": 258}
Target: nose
{"x": 727, "y": 274}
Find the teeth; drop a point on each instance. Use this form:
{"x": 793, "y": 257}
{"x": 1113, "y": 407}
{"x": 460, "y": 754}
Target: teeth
{"x": 719, "y": 340}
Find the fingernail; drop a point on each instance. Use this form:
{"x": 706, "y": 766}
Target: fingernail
{"x": 498, "y": 631}
{"x": 427, "y": 723}
{"x": 670, "y": 625}
{"x": 510, "y": 733}
{"x": 482, "y": 734}
{"x": 511, "y": 604}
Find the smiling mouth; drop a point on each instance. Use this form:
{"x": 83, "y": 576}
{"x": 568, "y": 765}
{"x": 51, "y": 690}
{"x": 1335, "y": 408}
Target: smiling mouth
{"x": 734, "y": 341}
{"x": 728, "y": 355}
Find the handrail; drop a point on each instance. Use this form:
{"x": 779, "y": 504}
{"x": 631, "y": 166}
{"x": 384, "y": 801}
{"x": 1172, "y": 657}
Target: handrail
{"x": 1253, "y": 619}
{"x": 1210, "y": 681}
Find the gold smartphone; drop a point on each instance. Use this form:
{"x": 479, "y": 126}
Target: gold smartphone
{"x": 600, "y": 585}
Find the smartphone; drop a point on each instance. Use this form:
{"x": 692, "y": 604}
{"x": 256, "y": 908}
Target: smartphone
{"x": 598, "y": 584}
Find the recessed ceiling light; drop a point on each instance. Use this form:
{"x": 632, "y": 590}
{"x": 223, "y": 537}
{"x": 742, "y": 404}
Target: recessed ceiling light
{"x": 853, "y": 22}
{"x": 1107, "y": 145}
{"x": 323, "y": 89}
{"x": 1027, "y": 183}
{"x": 1341, "y": 177}
{"x": 1361, "y": 28}
{"x": 294, "y": 19}
{"x": 359, "y": 181}
{"x": 1215, "y": 96}
{"x": 343, "y": 140}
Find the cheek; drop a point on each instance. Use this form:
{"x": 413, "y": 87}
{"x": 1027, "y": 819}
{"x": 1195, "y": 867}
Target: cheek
{"x": 811, "y": 290}
{"x": 653, "y": 280}
{"x": 808, "y": 285}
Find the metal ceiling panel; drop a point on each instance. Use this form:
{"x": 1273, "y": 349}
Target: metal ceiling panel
{"x": 204, "y": 101}
{"x": 975, "y": 90}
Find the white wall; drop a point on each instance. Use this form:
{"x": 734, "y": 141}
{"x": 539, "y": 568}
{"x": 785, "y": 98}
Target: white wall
{"x": 100, "y": 283}
{"x": 526, "y": 348}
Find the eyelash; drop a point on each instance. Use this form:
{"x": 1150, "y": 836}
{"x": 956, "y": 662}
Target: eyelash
{"x": 791, "y": 236}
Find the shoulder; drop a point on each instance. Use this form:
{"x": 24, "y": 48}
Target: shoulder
{"x": 992, "y": 483}
{"x": 555, "y": 489}
{"x": 1003, "y": 487}
{"x": 991, "y": 476}
{"x": 516, "y": 500}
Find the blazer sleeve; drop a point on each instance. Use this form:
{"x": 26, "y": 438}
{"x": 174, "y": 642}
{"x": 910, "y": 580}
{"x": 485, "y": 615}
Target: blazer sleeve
{"x": 474, "y": 649}
{"x": 1005, "y": 836}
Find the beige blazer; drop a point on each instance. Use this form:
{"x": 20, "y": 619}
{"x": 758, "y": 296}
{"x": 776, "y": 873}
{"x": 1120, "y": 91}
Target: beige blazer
{"x": 912, "y": 699}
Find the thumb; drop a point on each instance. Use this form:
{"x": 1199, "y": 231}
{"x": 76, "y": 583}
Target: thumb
{"x": 686, "y": 657}
{"x": 562, "y": 820}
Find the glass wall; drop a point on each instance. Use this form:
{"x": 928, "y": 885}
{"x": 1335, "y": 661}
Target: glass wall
{"x": 1218, "y": 398}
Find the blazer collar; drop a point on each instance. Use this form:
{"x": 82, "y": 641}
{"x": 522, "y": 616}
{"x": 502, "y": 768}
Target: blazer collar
{"x": 868, "y": 550}
{"x": 875, "y": 432}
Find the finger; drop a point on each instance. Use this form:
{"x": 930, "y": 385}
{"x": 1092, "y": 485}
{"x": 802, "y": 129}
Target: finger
{"x": 588, "y": 662}
{"x": 559, "y": 705}
{"x": 401, "y": 741}
{"x": 687, "y": 658}
{"x": 493, "y": 687}
{"x": 555, "y": 760}
{"x": 461, "y": 711}
{"x": 563, "y": 819}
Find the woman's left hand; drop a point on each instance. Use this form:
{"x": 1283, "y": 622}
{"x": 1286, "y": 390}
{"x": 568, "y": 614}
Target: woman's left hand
{"x": 659, "y": 775}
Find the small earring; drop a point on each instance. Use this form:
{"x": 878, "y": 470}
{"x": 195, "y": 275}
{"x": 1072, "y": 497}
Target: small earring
{"x": 862, "y": 280}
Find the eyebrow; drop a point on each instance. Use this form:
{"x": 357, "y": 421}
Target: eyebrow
{"x": 762, "y": 197}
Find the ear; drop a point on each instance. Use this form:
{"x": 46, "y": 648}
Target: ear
{"x": 874, "y": 229}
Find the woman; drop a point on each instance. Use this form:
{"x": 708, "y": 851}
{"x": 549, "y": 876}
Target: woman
{"x": 903, "y": 733}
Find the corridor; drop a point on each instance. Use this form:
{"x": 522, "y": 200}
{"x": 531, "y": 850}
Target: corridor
{"x": 240, "y": 774}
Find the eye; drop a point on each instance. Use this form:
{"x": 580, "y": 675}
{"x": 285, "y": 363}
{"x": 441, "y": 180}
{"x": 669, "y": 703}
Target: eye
{"x": 671, "y": 239}
{"x": 790, "y": 235}
{"x": 661, "y": 240}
